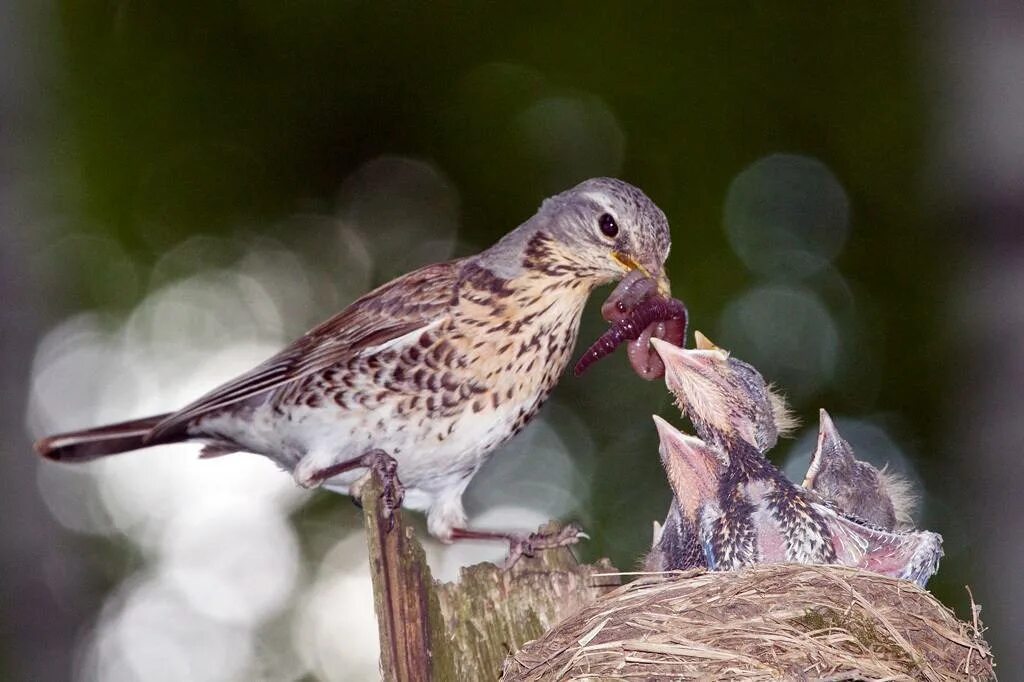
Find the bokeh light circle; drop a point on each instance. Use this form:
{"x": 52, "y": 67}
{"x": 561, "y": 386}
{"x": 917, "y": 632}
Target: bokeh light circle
{"x": 787, "y": 333}
{"x": 786, "y": 216}
{"x": 571, "y": 138}
{"x": 232, "y": 561}
{"x": 407, "y": 211}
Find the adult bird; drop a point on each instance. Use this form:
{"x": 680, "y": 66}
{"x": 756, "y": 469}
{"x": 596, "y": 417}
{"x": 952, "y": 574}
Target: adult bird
{"x": 426, "y": 375}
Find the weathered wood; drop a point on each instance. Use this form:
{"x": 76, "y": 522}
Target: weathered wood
{"x": 490, "y": 612}
{"x": 408, "y": 615}
{"x": 464, "y": 630}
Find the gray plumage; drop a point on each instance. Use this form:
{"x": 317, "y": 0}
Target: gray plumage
{"x": 855, "y": 487}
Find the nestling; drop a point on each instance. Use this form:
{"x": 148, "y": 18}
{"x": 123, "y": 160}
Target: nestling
{"x": 750, "y": 408}
{"x": 735, "y": 397}
{"x": 881, "y": 498}
{"x": 760, "y": 516}
{"x": 694, "y": 473}
{"x": 730, "y": 396}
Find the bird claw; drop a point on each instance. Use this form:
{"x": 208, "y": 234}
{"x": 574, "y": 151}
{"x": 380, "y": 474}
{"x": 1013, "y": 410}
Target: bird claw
{"x": 392, "y": 491}
{"x": 529, "y": 545}
{"x": 377, "y": 461}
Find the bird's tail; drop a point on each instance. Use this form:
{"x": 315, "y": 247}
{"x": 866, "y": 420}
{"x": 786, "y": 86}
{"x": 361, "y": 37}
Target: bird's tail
{"x": 82, "y": 446}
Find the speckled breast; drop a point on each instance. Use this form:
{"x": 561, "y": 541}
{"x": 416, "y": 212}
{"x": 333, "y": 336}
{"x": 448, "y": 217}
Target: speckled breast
{"x": 458, "y": 389}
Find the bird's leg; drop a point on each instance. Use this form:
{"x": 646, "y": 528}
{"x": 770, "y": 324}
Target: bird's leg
{"x": 519, "y": 544}
{"x": 393, "y": 491}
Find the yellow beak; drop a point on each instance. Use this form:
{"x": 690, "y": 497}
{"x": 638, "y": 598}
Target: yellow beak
{"x": 628, "y": 264}
{"x": 702, "y": 342}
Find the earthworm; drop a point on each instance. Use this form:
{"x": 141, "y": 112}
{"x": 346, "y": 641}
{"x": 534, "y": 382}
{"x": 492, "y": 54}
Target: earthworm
{"x": 656, "y": 316}
{"x": 634, "y": 288}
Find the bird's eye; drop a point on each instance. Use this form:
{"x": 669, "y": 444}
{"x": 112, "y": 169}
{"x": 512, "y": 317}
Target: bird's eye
{"x": 609, "y": 227}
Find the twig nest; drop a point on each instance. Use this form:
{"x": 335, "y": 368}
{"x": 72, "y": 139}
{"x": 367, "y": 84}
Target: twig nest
{"x": 766, "y": 622}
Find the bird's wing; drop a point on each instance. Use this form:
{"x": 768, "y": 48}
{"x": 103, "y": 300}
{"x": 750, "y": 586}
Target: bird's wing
{"x": 911, "y": 555}
{"x": 414, "y": 301}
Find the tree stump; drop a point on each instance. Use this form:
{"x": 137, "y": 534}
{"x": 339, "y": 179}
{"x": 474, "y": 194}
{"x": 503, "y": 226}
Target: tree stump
{"x": 464, "y": 630}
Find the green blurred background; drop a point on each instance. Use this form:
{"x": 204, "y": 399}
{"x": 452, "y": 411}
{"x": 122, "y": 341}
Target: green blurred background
{"x": 842, "y": 198}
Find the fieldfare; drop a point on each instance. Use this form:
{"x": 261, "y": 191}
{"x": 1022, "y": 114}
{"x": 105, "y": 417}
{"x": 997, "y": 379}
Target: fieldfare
{"x": 758, "y": 515}
{"x": 739, "y": 510}
{"x": 752, "y": 410}
{"x": 880, "y": 497}
{"x": 428, "y": 373}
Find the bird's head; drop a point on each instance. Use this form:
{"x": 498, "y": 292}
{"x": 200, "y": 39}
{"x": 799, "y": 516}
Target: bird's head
{"x": 726, "y": 398}
{"x": 595, "y": 233}
{"x": 880, "y": 497}
{"x": 833, "y": 457}
{"x": 693, "y": 469}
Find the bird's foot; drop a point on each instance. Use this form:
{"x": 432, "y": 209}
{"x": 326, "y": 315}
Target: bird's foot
{"x": 392, "y": 491}
{"x": 528, "y": 545}
{"x": 520, "y": 545}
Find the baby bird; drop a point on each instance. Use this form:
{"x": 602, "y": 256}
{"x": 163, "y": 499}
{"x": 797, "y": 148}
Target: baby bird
{"x": 694, "y": 474}
{"x": 748, "y": 407}
{"x": 739, "y": 403}
{"x": 737, "y": 400}
{"x": 737, "y": 508}
{"x": 880, "y": 498}
{"x": 759, "y": 515}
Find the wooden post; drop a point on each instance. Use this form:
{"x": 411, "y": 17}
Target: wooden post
{"x": 403, "y": 596}
{"x": 464, "y": 630}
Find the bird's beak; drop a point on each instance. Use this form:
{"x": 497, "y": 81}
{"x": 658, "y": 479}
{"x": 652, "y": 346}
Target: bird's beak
{"x": 680, "y": 362}
{"x": 664, "y": 286}
{"x": 629, "y": 264}
{"x": 827, "y": 430}
{"x": 827, "y": 436}
{"x": 677, "y": 363}
{"x": 693, "y": 469}
{"x": 695, "y": 378}
{"x": 702, "y": 342}
{"x": 673, "y": 438}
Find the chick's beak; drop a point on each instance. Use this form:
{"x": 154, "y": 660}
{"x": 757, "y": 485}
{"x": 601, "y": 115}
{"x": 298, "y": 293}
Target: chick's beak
{"x": 676, "y": 365}
{"x": 671, "y": 437}
{"x": 827, "y": 431}
{"x": 827, "y": 440}
{"x": 681, "y": 362}
{"x": 692, "y": 468}
{"x": 702, "y": 342}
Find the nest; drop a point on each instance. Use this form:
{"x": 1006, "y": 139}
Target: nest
{"x": 762, "y": 623}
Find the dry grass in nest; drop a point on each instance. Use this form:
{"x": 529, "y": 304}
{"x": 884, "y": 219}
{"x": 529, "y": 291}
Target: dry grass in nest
{"x": 764, "y": 623}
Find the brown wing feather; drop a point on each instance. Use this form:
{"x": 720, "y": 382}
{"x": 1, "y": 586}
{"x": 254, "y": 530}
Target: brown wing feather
{"x": 389, "y": 311}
